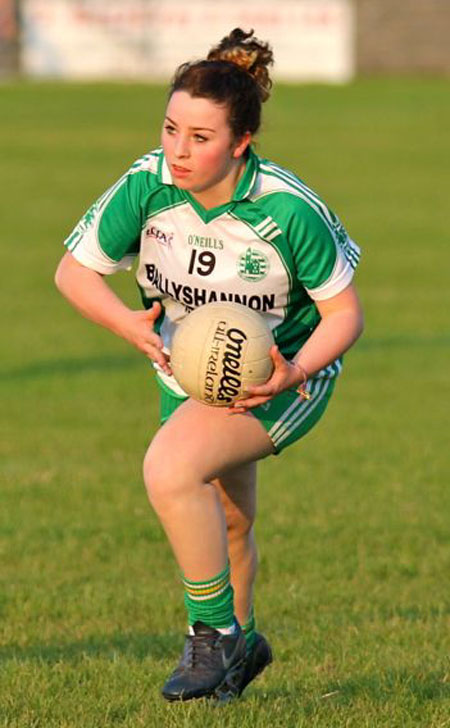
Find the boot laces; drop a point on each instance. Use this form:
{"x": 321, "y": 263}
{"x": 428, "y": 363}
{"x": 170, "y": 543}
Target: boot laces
{"x": 200, "y": 649}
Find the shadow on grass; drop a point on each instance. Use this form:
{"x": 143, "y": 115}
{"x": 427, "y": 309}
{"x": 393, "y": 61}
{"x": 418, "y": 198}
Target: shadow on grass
{"x": 56, "y": 367}
{"x": 380, "y": 687}
{"x": 113, "y": 362}
{"x": 137, "y": 647}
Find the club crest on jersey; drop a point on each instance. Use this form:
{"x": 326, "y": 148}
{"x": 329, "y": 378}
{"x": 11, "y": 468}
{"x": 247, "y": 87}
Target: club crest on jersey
{"x": 253, "y": 265}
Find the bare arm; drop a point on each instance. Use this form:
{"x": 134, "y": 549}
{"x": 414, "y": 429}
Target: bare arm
{"x": 89, "y": 293}
{"x": 340, "y": 326}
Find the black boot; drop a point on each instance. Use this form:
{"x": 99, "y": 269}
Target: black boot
{"x": 212, "y": 665}
{"x": 258, "y": 657}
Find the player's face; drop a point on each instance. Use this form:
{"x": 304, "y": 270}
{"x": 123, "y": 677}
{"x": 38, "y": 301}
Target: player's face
{"x": 198, "y": 144}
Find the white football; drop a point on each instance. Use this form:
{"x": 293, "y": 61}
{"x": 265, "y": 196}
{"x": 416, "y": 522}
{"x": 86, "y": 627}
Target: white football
{"x": 220, "y": 349}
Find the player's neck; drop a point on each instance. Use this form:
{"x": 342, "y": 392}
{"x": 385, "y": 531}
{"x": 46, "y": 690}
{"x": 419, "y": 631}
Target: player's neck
{"x": 222, "y": 192}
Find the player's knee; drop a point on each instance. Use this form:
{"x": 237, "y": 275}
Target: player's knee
{"x": 159, "y": 480}
{"x": 165, "y": 479}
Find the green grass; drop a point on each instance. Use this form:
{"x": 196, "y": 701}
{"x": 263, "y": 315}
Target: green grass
{"x": 353, "y": 523}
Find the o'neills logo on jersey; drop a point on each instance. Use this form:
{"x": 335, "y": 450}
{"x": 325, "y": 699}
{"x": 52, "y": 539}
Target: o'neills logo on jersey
{"x": 200, "y": 241}
{"x": 225, "y": 361}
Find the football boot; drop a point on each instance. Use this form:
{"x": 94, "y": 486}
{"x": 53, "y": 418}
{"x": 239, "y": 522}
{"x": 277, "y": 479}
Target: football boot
{"x": 258, "y": 657}
{"x": 212, "y": 665}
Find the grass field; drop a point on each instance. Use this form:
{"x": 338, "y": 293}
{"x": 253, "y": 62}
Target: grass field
{"x": 353, "y": 524}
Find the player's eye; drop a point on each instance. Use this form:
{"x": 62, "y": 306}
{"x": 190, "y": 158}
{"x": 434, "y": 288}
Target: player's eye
{"x": 200, "y": 138}
{"x": 169, "y": 128}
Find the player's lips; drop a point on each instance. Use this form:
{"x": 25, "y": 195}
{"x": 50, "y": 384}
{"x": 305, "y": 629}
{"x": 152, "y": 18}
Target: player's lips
{"x": 178, "y": 171}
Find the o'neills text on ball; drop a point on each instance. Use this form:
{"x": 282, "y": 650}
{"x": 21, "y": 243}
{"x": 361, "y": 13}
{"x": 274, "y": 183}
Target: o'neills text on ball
{"x": 230, "y": 381}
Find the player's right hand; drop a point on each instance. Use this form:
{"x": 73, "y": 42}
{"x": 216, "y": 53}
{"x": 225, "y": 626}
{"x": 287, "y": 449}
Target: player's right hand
{"x": 138, "y": 329}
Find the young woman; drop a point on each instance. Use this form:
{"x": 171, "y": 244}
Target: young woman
{"x": 210, "y": 220}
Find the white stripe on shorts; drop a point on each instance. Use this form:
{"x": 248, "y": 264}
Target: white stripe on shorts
{"x": 299, "y": 410}
{"x": 294, "y": 406}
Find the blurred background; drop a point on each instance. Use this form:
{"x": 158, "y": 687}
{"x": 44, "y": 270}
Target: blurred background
{"x": 144, "y": 39}
{"x": 353, "y": 525}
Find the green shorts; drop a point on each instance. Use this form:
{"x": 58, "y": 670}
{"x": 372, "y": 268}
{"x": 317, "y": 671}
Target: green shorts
{"x": 286, "y": 418}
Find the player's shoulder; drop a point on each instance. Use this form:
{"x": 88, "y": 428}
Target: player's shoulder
{"x": 148, "y": 165}
{"x": 143, "y": 178}
{"x": 275, "y": 181}
{"x": 285, "y": 196}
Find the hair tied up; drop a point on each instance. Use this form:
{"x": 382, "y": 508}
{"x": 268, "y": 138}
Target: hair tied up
{"x": 250, "y": 54}
{"x": 235, "y": 74}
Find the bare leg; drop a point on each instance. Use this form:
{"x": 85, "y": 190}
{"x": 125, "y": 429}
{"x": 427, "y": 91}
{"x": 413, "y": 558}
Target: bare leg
{"x": 196, "y": 445}
{"x": 237, "y": 490}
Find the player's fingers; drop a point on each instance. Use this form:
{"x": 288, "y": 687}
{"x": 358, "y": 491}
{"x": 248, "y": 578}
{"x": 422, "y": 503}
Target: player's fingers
{"x": 243, "y": 405}
{"x": 161, "y": 360}
{"x": 262, "y": 390}
{"x": 145, "y": 334}
{"x": 153, "y": 352}
{"x": 154, "y": 340}
{"x": 152, "y": 313}
{"x": 166, "y": 368}
{"x": 277, "y": 356}
{"x": 273, "y": 385}
{"x": 262, "y": 393}
{"x": 279, "y": 362}
{"x": 235, "y": 410}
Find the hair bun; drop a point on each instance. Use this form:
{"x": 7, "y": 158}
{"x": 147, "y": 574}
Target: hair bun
{"x": 250, "y": 54}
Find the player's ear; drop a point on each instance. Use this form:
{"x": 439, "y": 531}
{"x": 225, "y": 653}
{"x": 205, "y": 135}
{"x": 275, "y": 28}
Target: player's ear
{"x": 242, "y": 145}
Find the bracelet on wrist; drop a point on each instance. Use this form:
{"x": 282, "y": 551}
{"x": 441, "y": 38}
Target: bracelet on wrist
{"x": 301, "y": 387}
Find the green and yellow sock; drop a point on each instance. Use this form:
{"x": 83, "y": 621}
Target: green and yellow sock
{"x": 210, "y": 601}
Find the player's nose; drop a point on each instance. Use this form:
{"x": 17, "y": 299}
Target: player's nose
{"x": 182, "y": 146}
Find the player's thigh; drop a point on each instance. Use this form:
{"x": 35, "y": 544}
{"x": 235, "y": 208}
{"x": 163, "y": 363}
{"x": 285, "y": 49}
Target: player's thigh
{"x": 207, "y": 442}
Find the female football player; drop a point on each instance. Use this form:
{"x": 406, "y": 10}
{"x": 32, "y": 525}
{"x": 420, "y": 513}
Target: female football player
{"x": 210, "y": 220}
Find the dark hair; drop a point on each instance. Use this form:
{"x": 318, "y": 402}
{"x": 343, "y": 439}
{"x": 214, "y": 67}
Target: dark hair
{"x": 234, "y": 73}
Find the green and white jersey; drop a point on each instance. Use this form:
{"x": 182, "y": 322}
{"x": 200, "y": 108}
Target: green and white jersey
{"x": 275, "y": 247}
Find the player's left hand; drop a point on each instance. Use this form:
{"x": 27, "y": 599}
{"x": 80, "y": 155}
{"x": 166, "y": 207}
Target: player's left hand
{"x": 284, "y": 376}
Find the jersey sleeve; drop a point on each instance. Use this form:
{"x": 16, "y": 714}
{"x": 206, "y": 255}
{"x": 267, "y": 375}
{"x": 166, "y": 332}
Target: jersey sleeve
{"x": 107, "y": 238}
{"x": 324, "y": 254}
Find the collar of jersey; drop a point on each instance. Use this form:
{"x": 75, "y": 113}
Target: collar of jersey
{"x": 243, "y": 189}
